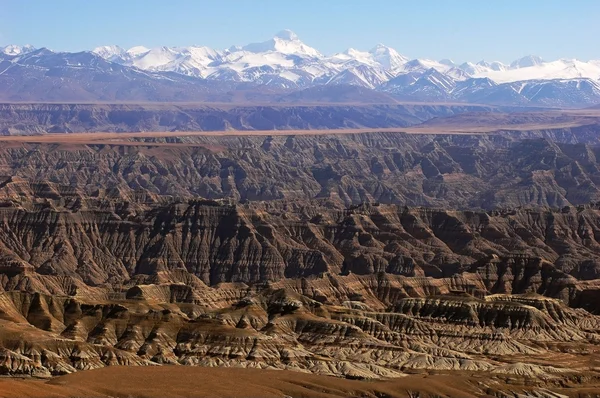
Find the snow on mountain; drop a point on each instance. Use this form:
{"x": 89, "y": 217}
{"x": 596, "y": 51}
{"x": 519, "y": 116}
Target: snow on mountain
{"x": 561, "y": 69}
{"x": 494, "y": 65}
{"x": 241, "y": 60}
{"x": 156, "y": 58}
{"x": 285, "y": 56}
{"x": 191, "y": 61}
{"x": 203, "y": 55}
{"x": 472, "y": 86}
{"x": 110, "y": 53}
{"x": 380, "y": 56}
{"x": 14, "y": 49}
{"x": 137, "y": 51}
{"x": 279, "y": 56}
{"x": 447, "y": 62}
{"x": 437, "y": 79}
{"x": 352, "y": 57}
{"x": 285, "y": 42}
{"x": 422, "y": 65}
{"x": 268, "y": 76}
{"x": 387, "y": 57}
{"x": 457, "y": 74}
{"x": 482, "y": 67}
{"x": 472, "y": 69}
{"x": 286, "y": 62}
{"x": 226, "y": 74}
{"x": 431, "y": 85}
{"x": 397, "y": 83}
{"x": 527, "y": 61}
{"x": 560, "y": 92}
{"x": 485, "y": 91}
{"x": 362, "y": 75}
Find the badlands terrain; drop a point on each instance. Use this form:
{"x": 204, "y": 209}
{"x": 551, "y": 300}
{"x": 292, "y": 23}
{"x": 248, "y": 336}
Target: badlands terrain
{"x": 455, "y": 255}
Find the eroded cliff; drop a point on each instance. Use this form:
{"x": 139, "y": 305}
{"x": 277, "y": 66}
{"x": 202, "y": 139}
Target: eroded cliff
{"x": 448, "y": 171}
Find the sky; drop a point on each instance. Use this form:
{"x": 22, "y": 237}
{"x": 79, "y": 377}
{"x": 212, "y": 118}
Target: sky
{"x": 461, "y": 30}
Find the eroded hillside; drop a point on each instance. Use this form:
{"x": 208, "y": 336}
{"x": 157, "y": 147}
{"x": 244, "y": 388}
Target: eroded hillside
{"x": 364, "y": 292}
{"x": 453, "y": 171}
{"x": 309, "y": 253}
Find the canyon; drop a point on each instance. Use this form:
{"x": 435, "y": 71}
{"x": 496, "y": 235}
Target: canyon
{"x": 388, "y": 255}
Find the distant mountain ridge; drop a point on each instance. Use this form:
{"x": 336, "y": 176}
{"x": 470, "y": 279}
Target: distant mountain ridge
{"x": 285, "y": 63}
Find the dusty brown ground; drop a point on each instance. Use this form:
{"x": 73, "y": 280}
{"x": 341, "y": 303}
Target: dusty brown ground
{"x": 117, "y": 137}
{"x": 521, "y": 121}
{"x": 122, "y": 138}
{"x": 180, "y": 381}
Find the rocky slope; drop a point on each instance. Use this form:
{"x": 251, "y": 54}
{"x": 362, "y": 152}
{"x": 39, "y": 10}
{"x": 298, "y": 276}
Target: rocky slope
{"x": 368, "y": 326}
{"x": 305, "y": 253}
{"x": 366, "y": 292}
{"x": 555, "y": 167}
{"x": 100, "y": 242}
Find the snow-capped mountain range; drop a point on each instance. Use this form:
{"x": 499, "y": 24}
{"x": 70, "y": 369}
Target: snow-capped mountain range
{"x": 285, "y": 62}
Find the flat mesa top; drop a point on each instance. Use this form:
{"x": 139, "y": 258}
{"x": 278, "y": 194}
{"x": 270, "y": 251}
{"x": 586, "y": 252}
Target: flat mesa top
{"x": 122, "y": 138}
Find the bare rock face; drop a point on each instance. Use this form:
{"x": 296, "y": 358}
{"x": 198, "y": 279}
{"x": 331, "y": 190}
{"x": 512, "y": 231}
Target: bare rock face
{"x": 372, "y": 291}
{"x": 487, "y": 171}
{"x": 506, "y": 252}
{"x": 277, "y": 328}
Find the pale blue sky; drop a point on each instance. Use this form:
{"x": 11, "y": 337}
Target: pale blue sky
{"x": 461, "y": 30}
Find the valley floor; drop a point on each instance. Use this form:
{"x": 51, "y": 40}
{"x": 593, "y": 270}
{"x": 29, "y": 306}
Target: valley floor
{"x": 184, "y": 381}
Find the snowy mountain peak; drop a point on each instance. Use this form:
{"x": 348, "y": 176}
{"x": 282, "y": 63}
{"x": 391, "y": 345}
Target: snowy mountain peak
{"x": 382, "y": 49}
{"x": 233, "y": 49}
{"x": 287, "y": 34}
{"x": 387, "y": 57}
{"x": 203, "y": 51}
{"x": 285, "y": 61}
{"x": 13, "y": 49}
{"x": 109, "y": 52}
{"x": 482, "y": 67}
{"x": 361, "y": 75}
{"x": 447, "y": 62}
{"x": 285, "y": 42}
{"x": 353, "y": 52}
{"x": 155, "y": 58}
{"x": 137, "y": 50}
{"x": 417, "y": 65}
{"x": 527, "y": 61}
{"x": 561, "y": 69}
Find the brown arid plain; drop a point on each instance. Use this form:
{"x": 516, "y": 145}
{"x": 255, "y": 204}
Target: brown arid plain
{"x": 197, "y": 382}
